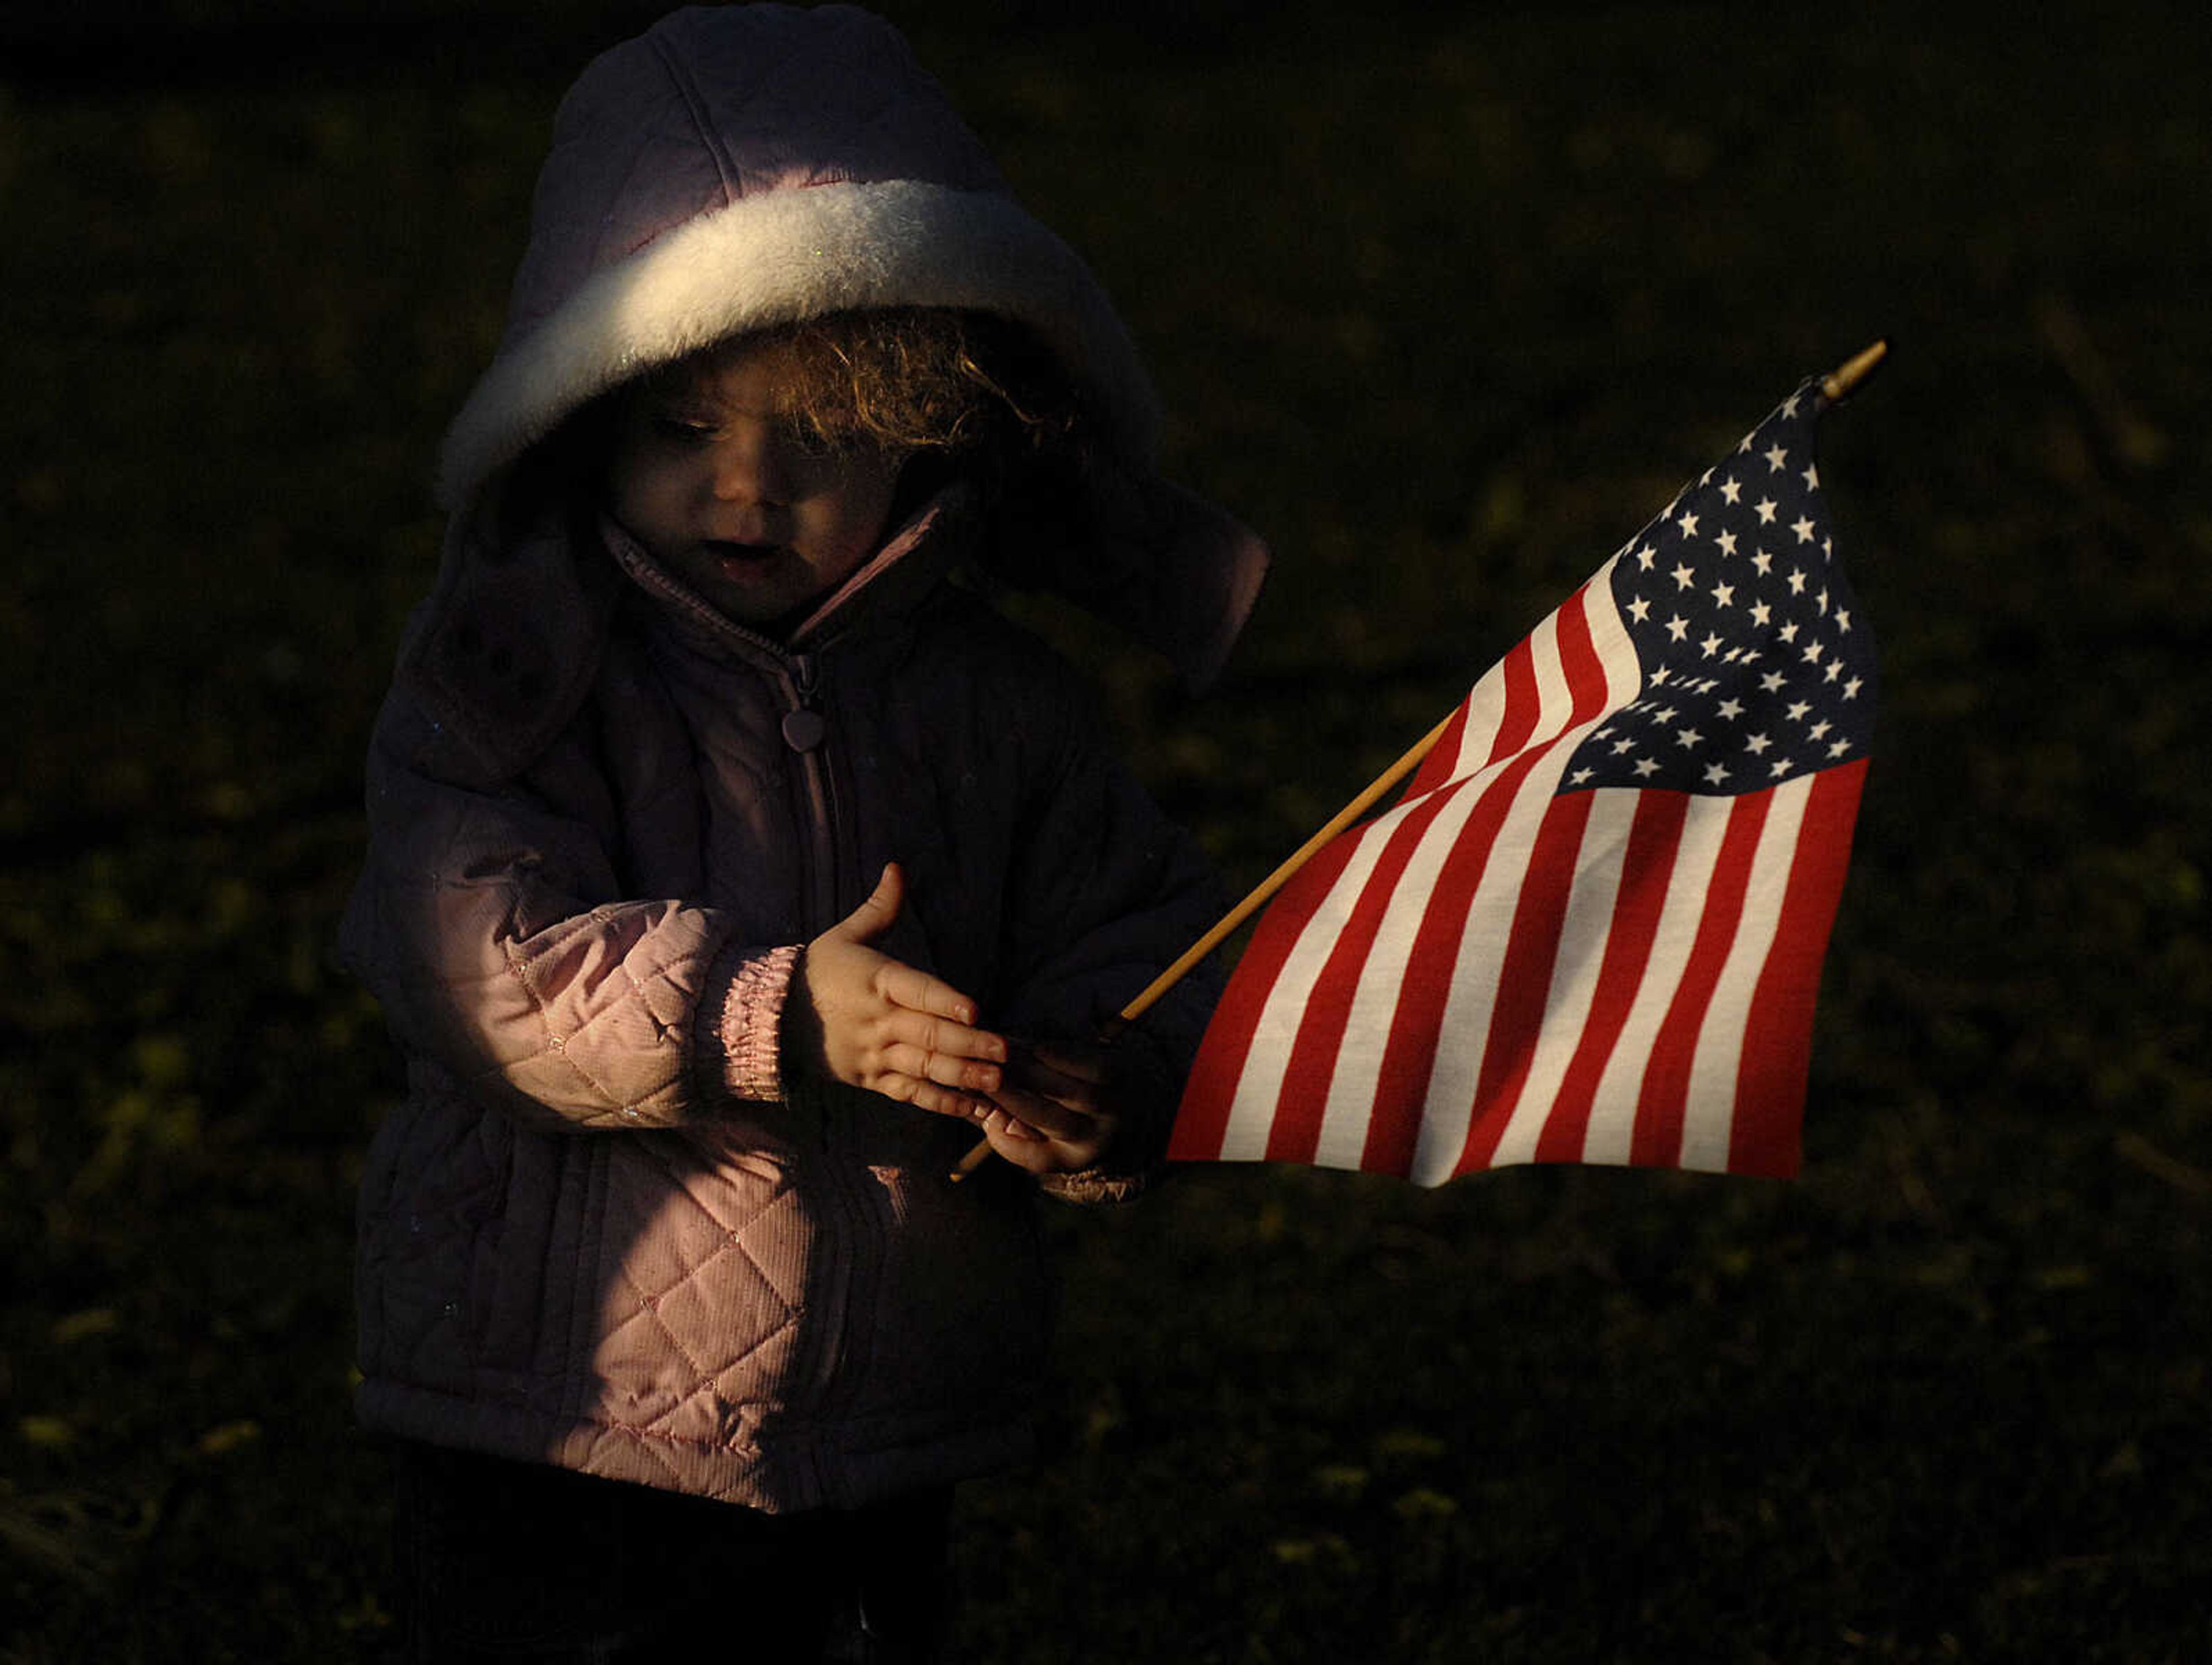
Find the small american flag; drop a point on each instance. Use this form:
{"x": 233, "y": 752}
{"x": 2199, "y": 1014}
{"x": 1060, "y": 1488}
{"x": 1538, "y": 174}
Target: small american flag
{"x": 1592, "y": 929}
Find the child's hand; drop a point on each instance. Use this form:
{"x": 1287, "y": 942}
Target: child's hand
{"x": 892, "y": 1029}
{"x": 1050, "y": 1117}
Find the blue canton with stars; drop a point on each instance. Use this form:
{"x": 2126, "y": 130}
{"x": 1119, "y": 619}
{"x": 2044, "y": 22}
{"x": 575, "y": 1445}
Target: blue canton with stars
{"x": 1756, "y": 664}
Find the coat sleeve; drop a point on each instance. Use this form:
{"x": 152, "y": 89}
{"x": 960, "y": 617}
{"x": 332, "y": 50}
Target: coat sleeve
{"x": 490, "y": 924}
{"x": 1109, "y": 891}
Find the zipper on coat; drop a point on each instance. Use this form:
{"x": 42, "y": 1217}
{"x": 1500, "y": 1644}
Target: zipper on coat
{"x": 804, "y": 727}
{"x": 853, "y": 1271}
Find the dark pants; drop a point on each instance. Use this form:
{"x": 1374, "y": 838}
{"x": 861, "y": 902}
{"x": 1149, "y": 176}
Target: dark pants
{"x": 498, "y": 1560}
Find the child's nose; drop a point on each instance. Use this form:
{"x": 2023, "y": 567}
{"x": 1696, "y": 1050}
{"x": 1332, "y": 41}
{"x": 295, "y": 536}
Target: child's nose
{"x": 752, "y": 469}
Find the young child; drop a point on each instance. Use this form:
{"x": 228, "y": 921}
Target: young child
{"x": 733, "y": 865}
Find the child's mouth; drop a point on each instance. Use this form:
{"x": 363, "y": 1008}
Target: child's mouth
{"x": 741, "y": 557}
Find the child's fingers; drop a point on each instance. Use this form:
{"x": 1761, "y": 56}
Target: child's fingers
{"x": 925, "y": 1036}
{"x": 1027, "y": 1149}
{"x": 996, "y": 1122}
{"x": 916, "y": 990}
{"x": 925, "y": 1095}
{"x": 990, "y": 1119}
{"x": 1046, "y": 1116}
{"x": 953, "y": 1065}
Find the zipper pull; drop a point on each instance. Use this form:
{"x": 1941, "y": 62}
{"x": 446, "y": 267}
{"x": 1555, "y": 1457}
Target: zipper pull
{"x": 805, "y": 728}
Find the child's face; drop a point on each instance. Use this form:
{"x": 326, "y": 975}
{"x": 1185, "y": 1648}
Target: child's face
{"x": 725, "y": 495}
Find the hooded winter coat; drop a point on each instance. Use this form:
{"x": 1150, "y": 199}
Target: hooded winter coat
{"x": 607, "y": 1229}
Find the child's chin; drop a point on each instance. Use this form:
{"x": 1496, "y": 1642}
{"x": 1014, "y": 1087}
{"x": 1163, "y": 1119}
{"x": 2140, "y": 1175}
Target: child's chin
{"x": 752, "y": 608}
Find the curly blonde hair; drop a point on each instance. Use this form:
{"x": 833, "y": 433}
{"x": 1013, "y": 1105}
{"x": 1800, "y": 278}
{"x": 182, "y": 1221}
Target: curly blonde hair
{"x": 920, "y": 378}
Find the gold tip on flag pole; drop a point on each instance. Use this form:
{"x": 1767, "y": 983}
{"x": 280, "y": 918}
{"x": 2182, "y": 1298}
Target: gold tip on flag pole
{"x": 1243, "y": 910}
{"x": 1839, "y": 384}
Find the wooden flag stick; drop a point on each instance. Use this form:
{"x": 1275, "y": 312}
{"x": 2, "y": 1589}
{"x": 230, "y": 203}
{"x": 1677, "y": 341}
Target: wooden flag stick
{"x": 1251, "y": 904}
{"x": 1838, "y": 384}
{"x": 1275, "y": 881}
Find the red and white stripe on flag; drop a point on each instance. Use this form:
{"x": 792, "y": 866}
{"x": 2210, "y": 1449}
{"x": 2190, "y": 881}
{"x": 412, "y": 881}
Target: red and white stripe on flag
{"x": 1498, "y": 971}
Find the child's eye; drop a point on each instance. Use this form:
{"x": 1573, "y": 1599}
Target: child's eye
{"x": 685, "y": 430}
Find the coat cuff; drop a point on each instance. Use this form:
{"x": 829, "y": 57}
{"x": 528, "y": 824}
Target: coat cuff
{"x": 1097, "y": 1185}
{"x": 741, "y": 1021}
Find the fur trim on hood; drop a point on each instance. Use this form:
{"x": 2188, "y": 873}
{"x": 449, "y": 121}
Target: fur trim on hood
{"x": 737, "y": 168}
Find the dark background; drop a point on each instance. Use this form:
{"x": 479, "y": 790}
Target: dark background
{"x": 1447, "y": 301}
